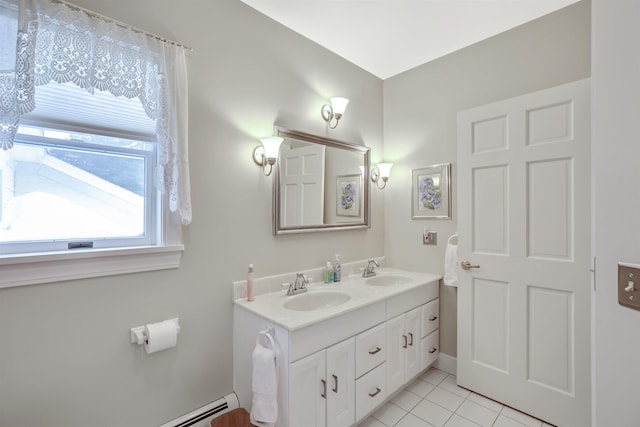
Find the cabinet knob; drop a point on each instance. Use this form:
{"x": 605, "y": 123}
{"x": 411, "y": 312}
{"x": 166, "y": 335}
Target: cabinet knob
{"x": 433, "y": 350}
{"x": 411, "y": 339}
{"x": 404, "y": 341}
{"x": 377, "y": 350}
{"x": 324, "y": 389}
{"x": 432, "y": 318}
{"x": 375, "y": 393}
{"x": 335, "y": 382}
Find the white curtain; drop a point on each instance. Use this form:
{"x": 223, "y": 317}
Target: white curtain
{"x": 58, "y": 43}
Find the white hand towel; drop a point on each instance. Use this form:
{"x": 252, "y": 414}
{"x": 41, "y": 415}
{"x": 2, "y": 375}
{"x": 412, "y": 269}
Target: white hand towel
{"x": 264, "y": 384}
{"x": 451, "y": 265}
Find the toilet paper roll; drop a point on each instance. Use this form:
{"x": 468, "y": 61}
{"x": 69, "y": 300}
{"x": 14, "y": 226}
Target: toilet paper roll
{"x": 160, "y": 336}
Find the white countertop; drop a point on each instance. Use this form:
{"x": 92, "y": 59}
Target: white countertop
{"x": 270, "y": 305}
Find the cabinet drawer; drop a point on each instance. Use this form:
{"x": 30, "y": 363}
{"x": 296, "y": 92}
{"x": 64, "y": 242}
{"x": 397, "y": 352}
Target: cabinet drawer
{"x": 430, "y": 317}
{"x": 430, "y": 348}
{"x": 370, "y": 349}
{"x": 371, "y": 390}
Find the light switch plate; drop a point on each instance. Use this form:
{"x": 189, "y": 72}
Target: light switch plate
{"x": 430, "y": 238}
{"x": 629, "y": 285}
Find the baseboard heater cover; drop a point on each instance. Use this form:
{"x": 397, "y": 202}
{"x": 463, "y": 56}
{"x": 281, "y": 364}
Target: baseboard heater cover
{"x": 202, "y": 417}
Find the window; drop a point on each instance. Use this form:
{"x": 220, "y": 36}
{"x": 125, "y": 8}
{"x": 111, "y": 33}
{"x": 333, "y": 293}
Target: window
{"x": 65, "y": 190}
{"x": 93, "y": 138}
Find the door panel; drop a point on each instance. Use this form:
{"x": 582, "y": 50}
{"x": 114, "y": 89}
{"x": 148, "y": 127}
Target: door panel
{"x": 550, "y": 209}
{"x": 491, "y": 324}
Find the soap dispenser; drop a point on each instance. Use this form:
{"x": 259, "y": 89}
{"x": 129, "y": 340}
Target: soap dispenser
{"x": 337, "y": 269}
{"x": 328, "y": 273}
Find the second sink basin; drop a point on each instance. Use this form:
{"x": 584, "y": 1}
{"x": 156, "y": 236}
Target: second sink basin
{"x": 388, "y": 280}
{"x": 316, "y": 300}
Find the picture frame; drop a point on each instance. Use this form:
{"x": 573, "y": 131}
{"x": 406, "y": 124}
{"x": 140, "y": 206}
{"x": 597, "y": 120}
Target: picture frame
{"x": 348, "y": 195}
{"x": 431, "y": 192}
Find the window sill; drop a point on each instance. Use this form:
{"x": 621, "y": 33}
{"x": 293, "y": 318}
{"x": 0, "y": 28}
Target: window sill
{"x": 30, "y": 269}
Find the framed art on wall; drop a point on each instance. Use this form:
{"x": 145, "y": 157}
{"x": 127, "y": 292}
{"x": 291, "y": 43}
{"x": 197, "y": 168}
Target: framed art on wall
{"x": 348, "y": 195}
{"x": 431, "y": 192}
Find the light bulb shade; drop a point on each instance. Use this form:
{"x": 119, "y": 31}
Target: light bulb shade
{"x": 271, "y": 146}
{"x": 384, "y": 169}
{"x": 339, "y": 105}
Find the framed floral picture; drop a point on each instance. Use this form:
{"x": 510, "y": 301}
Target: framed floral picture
{"x": 348, "y": 195}
{"x": 431, "y": 192}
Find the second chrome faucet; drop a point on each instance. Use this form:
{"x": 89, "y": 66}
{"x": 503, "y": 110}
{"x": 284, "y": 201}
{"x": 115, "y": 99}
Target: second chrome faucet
{"x": 370, "y": 270}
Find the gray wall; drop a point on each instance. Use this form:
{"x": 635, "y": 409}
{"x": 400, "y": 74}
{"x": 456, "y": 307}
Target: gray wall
{"x": 616, "y": 85}
{"x": 420, "y": 108}
{"x": 65, "y": 356}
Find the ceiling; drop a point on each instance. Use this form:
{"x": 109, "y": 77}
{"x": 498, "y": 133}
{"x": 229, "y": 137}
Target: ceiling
{"x": 387, "y": 37}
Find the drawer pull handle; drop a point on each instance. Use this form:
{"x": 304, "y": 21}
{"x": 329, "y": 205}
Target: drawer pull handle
{"x": 432, "y": 318}
{"x": 335, "y": 381}
{"x": 433, "y": 350}
{"x": 404, "y": 340}
{"x": 375, "y": 393}
{"x": 324, "y": 388}
{"x": 411, "y": 341}
{"x": 377, "y": 350}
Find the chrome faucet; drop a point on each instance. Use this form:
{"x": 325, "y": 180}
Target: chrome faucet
{"x": 370, "y": 270}
{"x": 298, "y": 286}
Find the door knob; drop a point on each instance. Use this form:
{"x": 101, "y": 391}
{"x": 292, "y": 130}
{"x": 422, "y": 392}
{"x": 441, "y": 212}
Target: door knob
{"x": 466, "y": 265}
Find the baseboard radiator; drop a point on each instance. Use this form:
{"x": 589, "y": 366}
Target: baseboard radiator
{"x": 201, "y": 417}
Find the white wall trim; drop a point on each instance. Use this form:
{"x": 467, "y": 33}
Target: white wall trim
{"x": 32, "y": 269}
{"x": 446, "y": 363}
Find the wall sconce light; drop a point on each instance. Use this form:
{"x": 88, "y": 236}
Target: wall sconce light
{"x": 383, "y": 172}
{"x": 333, "y": 113}
{"x": 267, "y": 153}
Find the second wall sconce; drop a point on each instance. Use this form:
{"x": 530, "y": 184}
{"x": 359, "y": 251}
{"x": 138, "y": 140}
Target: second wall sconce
{"x": 333, "y": 113}
{"x": 382, "y": 172}
{"x": 267, "y": 153}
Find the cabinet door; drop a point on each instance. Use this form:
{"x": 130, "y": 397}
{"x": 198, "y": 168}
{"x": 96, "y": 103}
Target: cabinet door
{"x": 341, "y": 380}
{"x": 371, "y": 349}
{"x": 307, "y": 391}
{"x": 430, "y": 317}
{"x": 413, "y": 363}
{"x": 430, "y": 349}
{"x": 396, "y": 345}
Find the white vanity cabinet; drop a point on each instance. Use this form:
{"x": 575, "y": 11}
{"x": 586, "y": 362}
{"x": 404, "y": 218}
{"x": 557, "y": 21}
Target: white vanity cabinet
{"x": 337, "y": 370}
{"x": 322, "y": 387}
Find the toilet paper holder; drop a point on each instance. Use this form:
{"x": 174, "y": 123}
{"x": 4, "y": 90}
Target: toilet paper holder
{"x": 138, "y": 335}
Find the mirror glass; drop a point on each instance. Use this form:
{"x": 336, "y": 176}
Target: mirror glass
{"x": 319, "y": 184}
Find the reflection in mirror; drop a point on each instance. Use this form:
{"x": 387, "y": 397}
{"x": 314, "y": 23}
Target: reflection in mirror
{"x": 320, "y": 184}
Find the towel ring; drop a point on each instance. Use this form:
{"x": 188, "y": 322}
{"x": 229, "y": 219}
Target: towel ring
{"x": 267, "y": 333}
{"x": 453, "y": 236}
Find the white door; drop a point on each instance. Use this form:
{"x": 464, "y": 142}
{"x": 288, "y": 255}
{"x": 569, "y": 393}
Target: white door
{"x": 302, "y": 185}
{"x": 307, "y": 391}
{"x": 341, "y": 380}
{"x": 524, "y": 206}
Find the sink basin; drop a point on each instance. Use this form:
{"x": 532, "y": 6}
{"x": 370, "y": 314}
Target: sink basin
{"x": 316, "y": 300}
{"x": 388, "y": 280}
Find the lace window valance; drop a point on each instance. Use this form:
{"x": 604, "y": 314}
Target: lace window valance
{"x": 57, "y": 43}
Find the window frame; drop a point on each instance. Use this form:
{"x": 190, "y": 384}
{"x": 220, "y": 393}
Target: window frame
{"x": 26, "y": 268}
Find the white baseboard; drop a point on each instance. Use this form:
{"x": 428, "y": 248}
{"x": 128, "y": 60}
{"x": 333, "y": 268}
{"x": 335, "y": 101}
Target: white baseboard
{"x": 446, "y": 363}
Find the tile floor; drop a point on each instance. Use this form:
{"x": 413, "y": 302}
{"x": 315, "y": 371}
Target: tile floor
{"x": 435, "y": 400}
